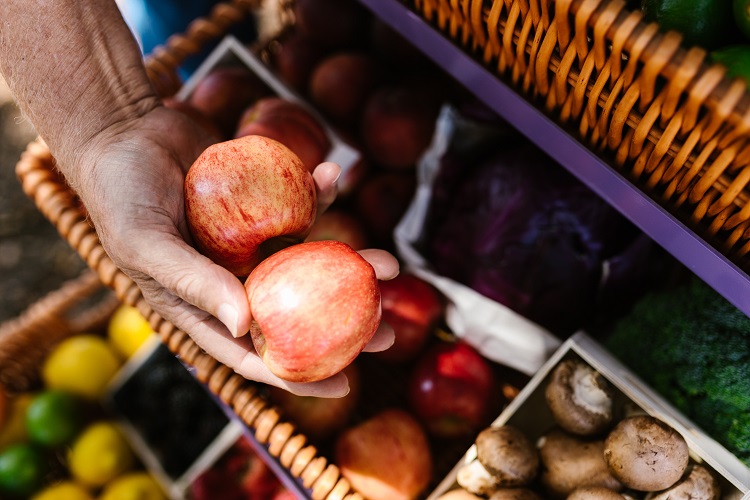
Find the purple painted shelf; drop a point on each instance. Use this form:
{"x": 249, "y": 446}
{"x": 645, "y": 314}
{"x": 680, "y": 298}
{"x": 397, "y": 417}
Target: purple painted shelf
{"x": 690, "y": 249}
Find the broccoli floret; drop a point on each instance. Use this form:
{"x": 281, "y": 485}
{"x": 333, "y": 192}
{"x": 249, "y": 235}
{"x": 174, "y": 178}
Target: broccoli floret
{"x": 693, "y": 347}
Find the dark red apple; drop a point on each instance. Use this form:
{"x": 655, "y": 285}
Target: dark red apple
{"x": 294, "y": 57}
{"x": 413, "y": 307}
{"x": 386, "y": 457}
{"x": 320, "y": 418}
{"x": 398, "y": 122}
{"x": 341, "y": 84}
{"x": 315, "y": 306}
{"x": 289, "y": 123}
{"x": 247, "y": 198}
{"x": 336, "y": 224}
{"x": 381, "y": 202}
{"x": 224, "y": 93}
{"x": 334, "y": 24}
{"x": 453, "y": 391}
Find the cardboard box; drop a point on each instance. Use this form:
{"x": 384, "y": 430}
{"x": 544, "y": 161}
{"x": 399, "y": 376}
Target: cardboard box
{"x": 529, "y": 412}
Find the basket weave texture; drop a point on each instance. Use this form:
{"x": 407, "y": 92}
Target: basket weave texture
{"x": 657, "y": 112}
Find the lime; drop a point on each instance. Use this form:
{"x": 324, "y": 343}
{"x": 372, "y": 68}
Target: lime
{"x": 100, "y": 454}
{"x": 706, "y": 23}
{"x": 133, "y": 486}
{"x": 65, "y": 490}
{"x": 23, "y": 468}
{"x": 736, "y": 58}
{"x": 14, "y": 430}
{"x": 54, "y": 418}
{"x": 128, "y": 330}
{"x": 83, "y": 365}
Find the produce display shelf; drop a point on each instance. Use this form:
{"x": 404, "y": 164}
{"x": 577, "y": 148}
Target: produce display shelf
{"x": 683, "y": 243}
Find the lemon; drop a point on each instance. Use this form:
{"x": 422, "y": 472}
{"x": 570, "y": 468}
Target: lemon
{"x": 65, "y": 490}
{"x": 133, "y": 486}
{"x": 100, "y": 454}
{"x": 14, "y": 429}
{"x": 83, "y": 365}
{"x": 128, "y": 330}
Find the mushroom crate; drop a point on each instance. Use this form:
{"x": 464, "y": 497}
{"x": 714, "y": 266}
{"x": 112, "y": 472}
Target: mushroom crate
{"x": 585, "y": 419}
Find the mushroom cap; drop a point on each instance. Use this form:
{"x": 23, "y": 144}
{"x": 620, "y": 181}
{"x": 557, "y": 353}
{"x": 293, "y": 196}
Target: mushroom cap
{"x": 580, "y": 398}
{"x": 474, "y": 478}
{"x": 594, "y": 493}
{"x": 458, "y": 494}
{"x": 508, "y": 454}
{"x": 570, "y": 461}
{"x": 698, "y": 483}
{"x": 645, "y": 453}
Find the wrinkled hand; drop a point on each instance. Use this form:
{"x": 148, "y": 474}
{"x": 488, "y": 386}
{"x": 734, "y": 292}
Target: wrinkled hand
{"x": 133, "y": 191}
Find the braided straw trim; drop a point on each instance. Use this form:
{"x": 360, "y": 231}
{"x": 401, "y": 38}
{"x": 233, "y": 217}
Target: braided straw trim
{"x": 674, "y": 124}
{"x": 27, "y": 339}
{"x": 43, "y": 184}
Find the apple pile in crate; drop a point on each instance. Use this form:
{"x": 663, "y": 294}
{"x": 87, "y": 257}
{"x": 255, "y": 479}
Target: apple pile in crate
{"x": 58, "y": 441}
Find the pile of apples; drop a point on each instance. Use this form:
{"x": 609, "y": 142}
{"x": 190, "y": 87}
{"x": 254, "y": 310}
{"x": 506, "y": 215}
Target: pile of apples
{"x": 252, "y": 208}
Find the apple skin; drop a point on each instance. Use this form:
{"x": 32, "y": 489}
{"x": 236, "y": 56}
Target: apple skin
{"x": 315, "y": 306}
{"x": 336, "y": 224}
{"x": 413, "y": 307}
{"x": 290, "y": 124}
{"x": 245, "y": 199}
{"x": 452, "y": 390}
{"x": 386, "y": 457}
{"x": 381, "y": 201}
{"x": 224, "y": 93}
{"x": 320, "y": 418}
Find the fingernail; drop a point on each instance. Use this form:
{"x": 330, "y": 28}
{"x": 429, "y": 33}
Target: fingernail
{"x": 228, "y": 315}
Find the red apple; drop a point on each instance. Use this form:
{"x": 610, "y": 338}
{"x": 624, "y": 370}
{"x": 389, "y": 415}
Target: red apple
{"x": 386, "y": 457}
{"x": 320, "y": 418}
{"x": 294, "y": 57}
{"x": 397, "y": 125}
{"x": 315, "y": 306}
{"x": 341, "y": 83}
{"x": 381, "y": 202}
{"x": 452, "y": 390}
{"x": 413, "y": 307}
{"x": 289, "y": 123}
{"x": 247, "y": 198}
{"x": 335, "y": 224}
{"x": 224, "y": 93}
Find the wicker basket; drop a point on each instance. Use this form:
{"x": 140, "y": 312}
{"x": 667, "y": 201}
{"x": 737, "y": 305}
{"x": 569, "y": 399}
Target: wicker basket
{"x": 654, "y": 110}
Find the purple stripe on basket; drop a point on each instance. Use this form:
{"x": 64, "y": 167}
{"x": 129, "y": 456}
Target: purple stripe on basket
{"x": 680, "y": 241}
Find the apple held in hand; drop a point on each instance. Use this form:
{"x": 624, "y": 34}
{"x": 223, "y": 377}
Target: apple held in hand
{"x": 386, "y": 457}
{"x": 412, "y": 307}
{"x": 452, "y": 390}
{"x": 247, "y": 198}
{"x": 315, "y": 306}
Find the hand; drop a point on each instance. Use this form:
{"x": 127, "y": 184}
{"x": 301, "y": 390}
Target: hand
{"x": 134, "y": 195}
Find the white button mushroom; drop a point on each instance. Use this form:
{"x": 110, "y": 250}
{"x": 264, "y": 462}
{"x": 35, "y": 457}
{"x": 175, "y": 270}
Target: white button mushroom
{"x": 646, "y": 454}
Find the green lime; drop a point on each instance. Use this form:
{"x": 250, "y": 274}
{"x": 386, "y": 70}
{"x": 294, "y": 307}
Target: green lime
{"x": 736, "y": 58}
{"x": 23, "y": 468}
{"x": 705, "y": 23}
{"x": 54, "y": 418}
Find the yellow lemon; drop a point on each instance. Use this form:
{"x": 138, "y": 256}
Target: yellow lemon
{"x": 14, "y": 429}
{"x": 128, "y": 330}
{"x": 133, "y": 486}
{"x": 66, "y": 490}
{"x": 100, "y": 454}
{"x": 82, "y": 365}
